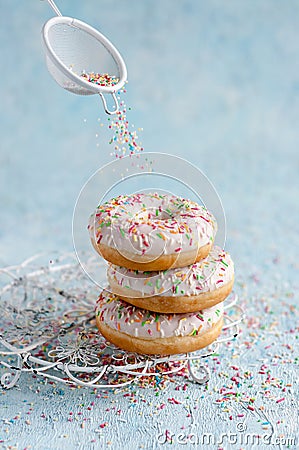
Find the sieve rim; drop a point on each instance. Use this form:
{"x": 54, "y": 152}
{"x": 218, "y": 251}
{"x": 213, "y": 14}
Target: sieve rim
{"x": 93, "y": 88}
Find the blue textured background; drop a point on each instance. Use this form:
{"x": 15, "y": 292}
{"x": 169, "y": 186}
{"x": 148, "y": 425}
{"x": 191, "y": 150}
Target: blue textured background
{"x": 215, "y": 82}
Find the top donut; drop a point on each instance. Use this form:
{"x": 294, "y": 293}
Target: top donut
{"x": 152, "y": 231}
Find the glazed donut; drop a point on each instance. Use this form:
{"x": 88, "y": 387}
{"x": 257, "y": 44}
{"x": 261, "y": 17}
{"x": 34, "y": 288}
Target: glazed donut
{"x": 141, "y": 331}
{"x": 188, "y": 289}
{"x": 152, "y": 231}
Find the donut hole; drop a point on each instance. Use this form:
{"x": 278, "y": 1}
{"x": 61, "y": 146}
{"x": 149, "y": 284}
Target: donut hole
{"x": 164, "y": 216}
{"x": 154, "y": 214}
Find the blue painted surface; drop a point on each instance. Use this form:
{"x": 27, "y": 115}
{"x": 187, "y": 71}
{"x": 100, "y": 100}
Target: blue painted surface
{"x": 217, "y": 83}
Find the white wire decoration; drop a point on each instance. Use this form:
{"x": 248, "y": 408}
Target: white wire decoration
{"x": 47, "y": 327}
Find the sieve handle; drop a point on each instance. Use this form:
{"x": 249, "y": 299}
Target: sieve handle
{"x": 107, "y": 111}
{"x": 54, "y": 7}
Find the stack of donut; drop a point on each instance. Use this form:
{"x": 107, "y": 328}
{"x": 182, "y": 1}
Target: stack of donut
{"x": 167, "y": 281}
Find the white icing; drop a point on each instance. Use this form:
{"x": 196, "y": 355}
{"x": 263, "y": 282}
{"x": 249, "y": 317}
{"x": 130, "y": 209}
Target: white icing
{"x": 138, "y": 322}
{"x": 152, "y": 225}
{"x": 207, "y": 275}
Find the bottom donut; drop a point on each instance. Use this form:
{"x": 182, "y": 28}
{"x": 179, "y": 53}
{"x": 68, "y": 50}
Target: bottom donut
{"x": 142, "y": 331}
